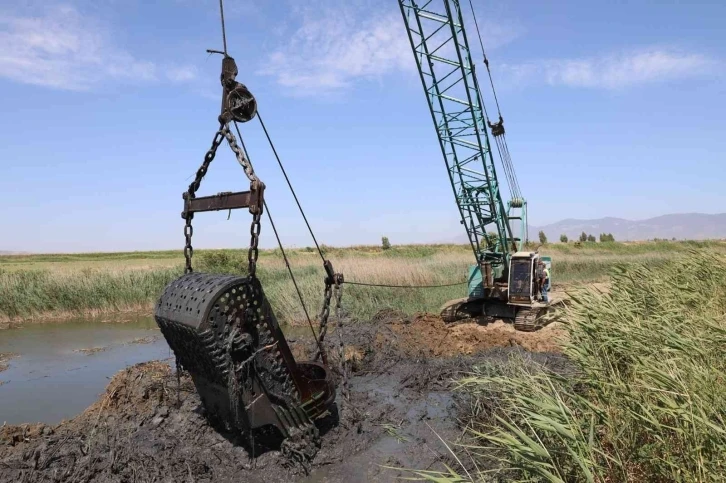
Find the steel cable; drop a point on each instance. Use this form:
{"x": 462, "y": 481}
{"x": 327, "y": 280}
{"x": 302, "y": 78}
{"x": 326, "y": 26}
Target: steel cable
{"x": 224, "y": 32}
{"x": 282, "y": 250}
{"x": 501, "y": 143}
{"x": 289, "y": 184}
{"x": 486, "y": 61}
{"x": 403, "y": 286}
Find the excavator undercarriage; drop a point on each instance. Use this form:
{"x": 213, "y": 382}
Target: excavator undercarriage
{"x": 512, "y": 297}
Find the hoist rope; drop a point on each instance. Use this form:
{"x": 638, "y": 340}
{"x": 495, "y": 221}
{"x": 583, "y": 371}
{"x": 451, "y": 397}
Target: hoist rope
{"x": 320, "y": 252}
{"x": 403, "y": 286}
{"x": 486, "y": 61}
{"x": 269, "y": 215}
{"x": 508, "y": 166}
{"x": 224, "y": 32}
{"x": 284, "y": 255}
{"x": 279, "y": 243}
{"x": 282, "y": 250}
{"x": 500, "y": 140}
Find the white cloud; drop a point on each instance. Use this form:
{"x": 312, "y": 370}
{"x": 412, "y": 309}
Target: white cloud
{"x": 332, "y": 47}
{"x": 66, "y": 50}
{"x": 182, "y": 74}
{"x": 614, "y": 71}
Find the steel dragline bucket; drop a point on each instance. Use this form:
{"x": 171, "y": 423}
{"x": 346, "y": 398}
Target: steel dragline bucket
{"x": 222, "y": 330}
{"x": 224, "y": 333}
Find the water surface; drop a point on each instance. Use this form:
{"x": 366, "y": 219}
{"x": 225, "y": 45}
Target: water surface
{"x": 54, "y": 380}
{"x": 50, "y": 381}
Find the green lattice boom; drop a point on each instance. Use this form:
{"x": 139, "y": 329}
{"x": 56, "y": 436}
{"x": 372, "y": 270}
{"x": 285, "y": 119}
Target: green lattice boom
{"x": 439, "y": 43}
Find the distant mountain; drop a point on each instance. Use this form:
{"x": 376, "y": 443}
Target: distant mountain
{"x": 685, "y": 226}
{"x": 2, "y": 252}
{"x": 682, "y": 226}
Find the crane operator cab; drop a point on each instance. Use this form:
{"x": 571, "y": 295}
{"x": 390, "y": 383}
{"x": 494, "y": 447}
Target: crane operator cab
{"x": 522, "y": 281}
{"x": 523, "y": 289}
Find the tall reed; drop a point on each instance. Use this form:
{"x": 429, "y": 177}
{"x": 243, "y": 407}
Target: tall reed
{"x": 647, "y": 401}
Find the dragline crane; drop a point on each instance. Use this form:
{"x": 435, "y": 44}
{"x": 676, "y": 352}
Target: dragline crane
{"x": 502, "y": 281}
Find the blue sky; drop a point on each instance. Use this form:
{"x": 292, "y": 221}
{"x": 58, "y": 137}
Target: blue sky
{"x": 109, "y": 107}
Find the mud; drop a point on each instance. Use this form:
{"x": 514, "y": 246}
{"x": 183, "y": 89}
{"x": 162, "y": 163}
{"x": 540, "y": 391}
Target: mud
{"x": 401, "y": 405}
{"x": 145, "y": 340}
{"x": 4, "y": 358}
{"x": 438, "y": 339}
{"x": 91, "y": 350}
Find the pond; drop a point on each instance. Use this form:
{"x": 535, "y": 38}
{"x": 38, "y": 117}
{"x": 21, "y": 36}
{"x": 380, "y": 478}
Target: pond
{"x": 62, "y": 367}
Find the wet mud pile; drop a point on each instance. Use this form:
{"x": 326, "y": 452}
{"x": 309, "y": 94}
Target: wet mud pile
{"x": 4, "y": 358}
{"x": 400, "y": 405}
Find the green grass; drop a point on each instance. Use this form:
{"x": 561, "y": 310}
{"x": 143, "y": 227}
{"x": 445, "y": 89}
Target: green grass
{"x": 68, "y": 284}
{"x": 648, "y": 398}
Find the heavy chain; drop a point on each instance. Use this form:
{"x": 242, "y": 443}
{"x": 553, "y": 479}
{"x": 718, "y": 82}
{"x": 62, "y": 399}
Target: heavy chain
{"x": 253, "y": 252}
{"x": 191, "y": 193}
{"x": 222, "y": 133}
{"x": 334, "y": 288}
{"x": 254, "y": 240}
{"x": 241, "y": 158}
{"x": 325, "y": 312}
{"x": 341, "y": 346}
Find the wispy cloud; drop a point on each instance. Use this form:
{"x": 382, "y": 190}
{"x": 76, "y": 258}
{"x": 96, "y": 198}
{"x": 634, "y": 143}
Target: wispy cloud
{"x": 614, "y": 71}
{"x": 66, "y": 50}
{"x": 332, "y": 47}
{"x": 182, "y": 73}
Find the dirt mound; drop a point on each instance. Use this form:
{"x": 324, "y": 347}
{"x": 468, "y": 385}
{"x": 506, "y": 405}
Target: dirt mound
{"x": 400, "y": 404}
{"x": 429, "y": 334}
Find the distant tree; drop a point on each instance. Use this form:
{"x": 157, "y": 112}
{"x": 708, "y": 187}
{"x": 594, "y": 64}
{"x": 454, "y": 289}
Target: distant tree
{"x": 591, "y": 238}
{"x": 606, "y": 237}
{"x": 583, "y": 237}
{"x": 563, "y": 238}
{"x": 542, "y": 237}
{"x": 385, "y": 243}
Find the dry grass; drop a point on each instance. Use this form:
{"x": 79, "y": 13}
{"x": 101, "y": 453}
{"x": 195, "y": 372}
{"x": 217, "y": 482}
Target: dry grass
{"x": 36, "y": 286}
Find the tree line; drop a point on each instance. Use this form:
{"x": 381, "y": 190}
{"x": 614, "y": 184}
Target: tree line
{"x": 584, "y": 237}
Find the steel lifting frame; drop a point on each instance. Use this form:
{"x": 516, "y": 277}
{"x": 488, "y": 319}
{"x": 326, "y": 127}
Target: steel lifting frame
{"x": 446, "y": 68}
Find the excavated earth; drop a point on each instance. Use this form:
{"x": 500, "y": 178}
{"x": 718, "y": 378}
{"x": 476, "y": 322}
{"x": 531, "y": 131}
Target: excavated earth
{"x": 400, "y": 407}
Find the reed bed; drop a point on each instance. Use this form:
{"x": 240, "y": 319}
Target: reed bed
{"x": 36, "y": 286}
{"x": 646, "y": 400}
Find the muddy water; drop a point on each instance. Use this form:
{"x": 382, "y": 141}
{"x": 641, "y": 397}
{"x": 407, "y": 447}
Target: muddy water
{"x": 63, "y": 367}
{"x": 56, "y": 376}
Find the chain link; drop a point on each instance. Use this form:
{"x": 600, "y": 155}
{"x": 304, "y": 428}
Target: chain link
{"x": 254, "y": 240}
{"x": 325, "y": 312}
{"x": 255, "y": 227}
{"x": 241, "y": 158}
{"x": 191, "y": 193}
{"x": 188, "y": 249}
{"x": 338, "y": 289}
